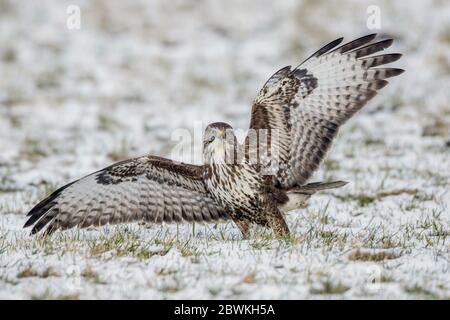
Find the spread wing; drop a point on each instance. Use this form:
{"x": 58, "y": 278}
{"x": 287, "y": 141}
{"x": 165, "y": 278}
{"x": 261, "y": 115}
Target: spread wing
{"x": 149, "y": 189}
{"x": 306, "y": 105}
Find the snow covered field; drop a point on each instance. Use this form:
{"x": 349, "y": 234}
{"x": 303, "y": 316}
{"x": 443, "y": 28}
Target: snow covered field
{"x": 137, "y": 72}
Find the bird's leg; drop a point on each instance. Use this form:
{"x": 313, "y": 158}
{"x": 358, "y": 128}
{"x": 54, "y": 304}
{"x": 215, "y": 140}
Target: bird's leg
{"x": 244, "y": 226}
{"x": 278, "y": 225}
{"x": 275, "y": 219}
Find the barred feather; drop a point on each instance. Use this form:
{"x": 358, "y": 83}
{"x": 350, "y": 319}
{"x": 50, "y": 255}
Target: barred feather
{"x": 310, "y": 103}
{"x": 148, "y": 189}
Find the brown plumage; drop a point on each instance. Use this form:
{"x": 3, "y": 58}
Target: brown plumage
{"x": 294, "y": 119}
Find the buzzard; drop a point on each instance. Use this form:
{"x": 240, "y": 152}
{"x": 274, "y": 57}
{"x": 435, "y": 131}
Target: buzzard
{"x": 299, "y": 109}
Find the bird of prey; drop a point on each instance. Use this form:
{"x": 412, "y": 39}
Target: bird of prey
{"x": 299, "y": 109}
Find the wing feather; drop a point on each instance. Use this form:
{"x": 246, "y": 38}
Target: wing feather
{"x": 307, "y": 105}
{"x": 149, "y": 189}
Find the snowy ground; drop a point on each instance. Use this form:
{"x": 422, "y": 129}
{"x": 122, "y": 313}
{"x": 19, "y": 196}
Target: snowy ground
{"x": 73, "y": 101}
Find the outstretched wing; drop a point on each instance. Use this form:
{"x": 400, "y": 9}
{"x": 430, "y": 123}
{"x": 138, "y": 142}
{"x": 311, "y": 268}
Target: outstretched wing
{"x": 306, "y": 105}
{"x": 149, "y": 189}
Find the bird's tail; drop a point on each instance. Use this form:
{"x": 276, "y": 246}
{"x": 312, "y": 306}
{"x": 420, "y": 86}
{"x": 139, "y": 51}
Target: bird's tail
{"x": 313, "y": 187}
{"x": 298, "y": 196}
{"x": 318, "y": 186}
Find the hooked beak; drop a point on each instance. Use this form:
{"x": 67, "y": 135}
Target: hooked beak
{"x": 221, "y": 133}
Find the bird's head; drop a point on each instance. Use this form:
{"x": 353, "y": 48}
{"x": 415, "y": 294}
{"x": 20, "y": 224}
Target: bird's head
{"x": 218, "y": 143}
